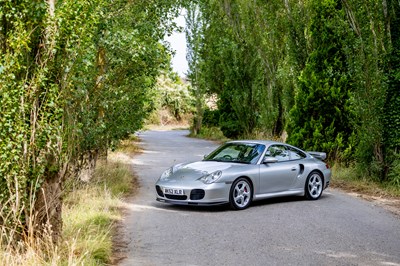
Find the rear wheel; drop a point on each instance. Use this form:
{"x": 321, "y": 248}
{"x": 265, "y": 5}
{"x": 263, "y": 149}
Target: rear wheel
{"x": 314, "y": 186}
{"x": 241, "y": 194}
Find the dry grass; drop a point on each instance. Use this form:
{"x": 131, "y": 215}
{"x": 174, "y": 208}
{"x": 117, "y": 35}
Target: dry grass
{"x": 130, "y": 146}
{"x": 348, "y": 180}
{"x": 90, "y": 211}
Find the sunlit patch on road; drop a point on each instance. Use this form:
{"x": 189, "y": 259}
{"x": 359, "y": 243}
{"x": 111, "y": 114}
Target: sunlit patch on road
{"x": 151, "y": 152}
{"x": 143, "y": 208}
{"x": 139, "y": 162}
{"x": 340, "y": 255}
{"x": 390, "y": 263}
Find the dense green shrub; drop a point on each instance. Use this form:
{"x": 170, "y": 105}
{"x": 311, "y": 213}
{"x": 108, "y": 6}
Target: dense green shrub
{"x": 320, "y": 117}
{"x": 211, "y": 117}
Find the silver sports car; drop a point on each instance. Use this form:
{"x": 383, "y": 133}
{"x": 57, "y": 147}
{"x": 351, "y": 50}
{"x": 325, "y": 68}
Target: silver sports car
{"x": 239, "y": 172}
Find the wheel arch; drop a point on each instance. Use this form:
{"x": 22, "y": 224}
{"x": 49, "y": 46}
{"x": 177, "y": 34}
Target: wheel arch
{"x": 234, "y": 205}
{"x": 322, "y": 175}
{"x": 306, "y": 193}
{"x": 250, "y": 182}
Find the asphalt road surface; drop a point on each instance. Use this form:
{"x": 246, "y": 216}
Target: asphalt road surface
{"x": 337, "y": 229}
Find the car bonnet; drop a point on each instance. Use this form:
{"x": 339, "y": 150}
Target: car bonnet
{"x": 193, "y": 171}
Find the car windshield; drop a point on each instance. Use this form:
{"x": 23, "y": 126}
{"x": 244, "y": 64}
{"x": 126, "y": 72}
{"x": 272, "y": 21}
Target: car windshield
{"x": 247, "y": 153}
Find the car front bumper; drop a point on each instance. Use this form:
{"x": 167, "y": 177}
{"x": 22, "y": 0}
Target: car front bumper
{"x": 194, "y": 193}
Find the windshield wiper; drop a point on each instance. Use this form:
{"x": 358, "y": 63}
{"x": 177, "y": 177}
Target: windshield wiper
{"x": 214, "y": 160}
{"x": 244, "y": 162}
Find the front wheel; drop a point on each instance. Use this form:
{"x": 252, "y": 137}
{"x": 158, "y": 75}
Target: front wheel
{"x": 241, "y": 194}
{"x": 314, "y": 186}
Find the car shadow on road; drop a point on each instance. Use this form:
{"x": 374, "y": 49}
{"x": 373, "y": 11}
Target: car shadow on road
{"x": 284, "y": 200}
{"x": 226, "y": 207}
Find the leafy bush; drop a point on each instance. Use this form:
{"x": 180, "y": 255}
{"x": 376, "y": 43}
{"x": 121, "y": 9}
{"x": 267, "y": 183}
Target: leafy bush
{"x": 171, "y": 100}
{"x": 211, "y": 117}
{"x": 211, "y": 133}
{"x": 394, "y": 172}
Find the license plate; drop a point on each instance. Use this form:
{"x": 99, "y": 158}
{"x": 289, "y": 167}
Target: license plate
{"x": 173, "y": 191}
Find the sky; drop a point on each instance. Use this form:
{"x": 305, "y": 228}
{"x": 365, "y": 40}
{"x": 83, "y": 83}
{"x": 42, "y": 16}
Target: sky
{"x": 178, "y": 44}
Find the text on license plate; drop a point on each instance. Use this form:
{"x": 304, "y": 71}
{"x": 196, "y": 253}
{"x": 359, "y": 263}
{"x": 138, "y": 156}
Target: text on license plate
{"x": 173, "y": 191}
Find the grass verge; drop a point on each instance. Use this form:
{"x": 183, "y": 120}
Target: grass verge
{"x": 348, "y": 179}
{"x": 90, "y": 211}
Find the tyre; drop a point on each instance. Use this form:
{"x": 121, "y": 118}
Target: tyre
{"x": 241, "y": 194}
{"x": 314, "y": 186}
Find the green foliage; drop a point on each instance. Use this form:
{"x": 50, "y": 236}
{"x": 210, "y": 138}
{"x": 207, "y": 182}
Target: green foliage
{"x": 75, "y": 78}
{"x": 326, "y": 71}
{"x": 365, "y": 49}
{"x": 170, "y": 97}
{"x": 211, "y": 133}
{"x": 211, "y": 117}
{"x": 392, "y": 103}
{"x": 175, "y": 95}
{"x": 321, "y": 114}
{"x": 394, "y": 174}
{"x": 195, "y": 23}
{"x": 238, "y": 60}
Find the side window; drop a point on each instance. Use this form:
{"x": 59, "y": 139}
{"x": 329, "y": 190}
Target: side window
{"x": 295, "y": 154}
{"x": 279, "y": 152}
{"x": 252, "y": 154}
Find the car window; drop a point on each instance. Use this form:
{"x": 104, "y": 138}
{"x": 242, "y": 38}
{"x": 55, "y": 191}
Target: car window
{"x": 295, "y": 154}
{"x": 229, "y": 151}
{"x": 279, "y": 152}
{"x": 248, "y": 153}
{"x": 252, "y": 154}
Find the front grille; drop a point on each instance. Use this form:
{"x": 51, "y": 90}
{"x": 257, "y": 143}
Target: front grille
{"x": 159, "y": 191}
{"x": 197, "y": 194}
{"x": 176, "y": 197}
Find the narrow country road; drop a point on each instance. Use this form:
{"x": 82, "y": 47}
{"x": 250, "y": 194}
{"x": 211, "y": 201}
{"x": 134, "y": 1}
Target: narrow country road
{"x": 336, "y": 230}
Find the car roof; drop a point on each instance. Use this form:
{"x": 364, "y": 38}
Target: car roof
{"x": 264, "y": 142}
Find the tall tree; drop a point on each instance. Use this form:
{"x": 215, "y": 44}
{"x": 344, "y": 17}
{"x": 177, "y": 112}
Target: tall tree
{"x": 392, "y": 103}
{"x": 320, "y": 116}
{"x": 194, "y": 37}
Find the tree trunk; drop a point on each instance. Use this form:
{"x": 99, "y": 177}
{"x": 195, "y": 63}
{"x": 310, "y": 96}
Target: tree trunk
{"x": 46, "y": 217}
{"x": 47, "y": 211}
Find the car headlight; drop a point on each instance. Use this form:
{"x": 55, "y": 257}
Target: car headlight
{"x": 211, "y": 178}
{"x": 167, "y": 173}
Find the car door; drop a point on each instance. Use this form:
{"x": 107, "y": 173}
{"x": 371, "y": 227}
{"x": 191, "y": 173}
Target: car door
{"x": 281, "y": 175}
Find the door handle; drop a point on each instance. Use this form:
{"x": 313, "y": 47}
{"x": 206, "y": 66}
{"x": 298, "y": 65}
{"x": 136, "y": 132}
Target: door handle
{"x": 294, "y": 169}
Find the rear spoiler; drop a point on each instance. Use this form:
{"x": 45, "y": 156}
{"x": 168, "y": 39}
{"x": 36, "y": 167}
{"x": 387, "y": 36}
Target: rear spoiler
{"x": 317, "y": 154}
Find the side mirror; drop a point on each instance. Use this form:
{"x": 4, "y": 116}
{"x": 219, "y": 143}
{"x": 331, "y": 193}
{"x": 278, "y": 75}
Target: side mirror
{"x": 269, "y": 159}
